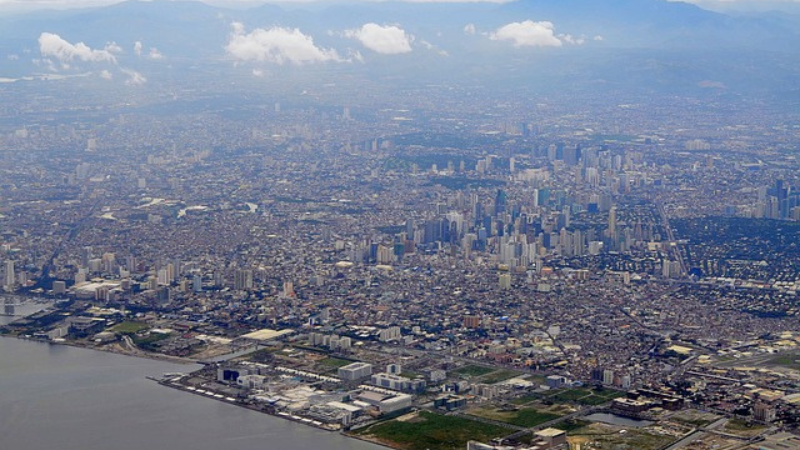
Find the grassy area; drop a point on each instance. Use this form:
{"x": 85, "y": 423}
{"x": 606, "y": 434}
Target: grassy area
{"x": 696, "y": 423}
{"x": 335, "y": 362}
{"x": 571, "y": 395}
{"x": 639, "y": 440}
{"x": 608, "y": 439}
{"x": 473, "y": 370}
{"x": 525, "y": 417}
{"x": 571, "y": 425}
{"x": 500, "y": 375}
{"x": 737, "y": 425}
{"x": 146, "y": 342}
{"x": 307, "y": 348}
{"x": 584, "y": 396}
{"x": 789, "y": 361}
{"x": 742, "y": 428}
{"x": 525, "y": 399}
{"x": 693, "y": 418}
{"x": 530, "y": 417}
{"x": 609, "y": 394}
{"x": 433, "y": 431}
{"x": 129, "y": 327}
{"x": 593, "y": 400}
{"x": 537, "y": 379}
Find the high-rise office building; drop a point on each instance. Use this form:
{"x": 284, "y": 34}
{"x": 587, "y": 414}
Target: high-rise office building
{"x": 612, "y": 221}
{"x": 197, "y": 283}
{"x": 500, "y": 202}
{"x": 10, "y": 278}
{"x": 243, "y": 280}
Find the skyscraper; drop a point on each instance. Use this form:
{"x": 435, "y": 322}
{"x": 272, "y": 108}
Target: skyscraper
{"x": 500, "y": 202}
{"x": 243, "y": 280}
{"x": 10, "y": 279}
{"x": 612, "y": 221}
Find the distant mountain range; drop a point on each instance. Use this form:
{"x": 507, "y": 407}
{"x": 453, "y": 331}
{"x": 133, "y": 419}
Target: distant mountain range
{"x": 191, "y": 29}
{"x": 595, "y": 38}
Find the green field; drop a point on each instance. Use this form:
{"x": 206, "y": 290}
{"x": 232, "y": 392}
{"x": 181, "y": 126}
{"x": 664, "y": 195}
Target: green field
{"x": 789, "y": 361}
{"x": 742, "y": 428}
{"x": 473, "y": 370}
{"x": 696, "y": 423}
{"x": 586, "y": 396}
{"x": 571, "y": 395}
{"x": 525, "y": 399}
{"x": 129, "y": 327}
{"x": 694, "y": 418}
{"x": 335, "y": 362}
{"x": 432, "y": 431}
{"x": 571, "y": 425}
{"x": 146, "y": 342}
{"x": 500, "y": 375}
{"x": 525, "y": 417}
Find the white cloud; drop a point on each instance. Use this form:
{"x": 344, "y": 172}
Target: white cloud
{"x": 53, "y": 45}
{"x": 155, "y": 54}
{"x": 386, "y": 39}
{"x": 570, "y": 39}
{"x": 46, "y": 63}
{"x": 597, "y": 38}
{"x": 134, "y": 78}
{"x": 59, "y": 54}
{"x": 528, "y": 34}
{"x": 138, "y": 50}
{"x": 276, "y": 45}
{"x": 112, "y": 47}
{"x": 469, "y": 29}
{"x": 433, "y": 48}
{"x": 238, "y": 28}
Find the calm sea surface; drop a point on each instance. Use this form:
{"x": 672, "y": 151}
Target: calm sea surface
{"x": 65, "y": 398}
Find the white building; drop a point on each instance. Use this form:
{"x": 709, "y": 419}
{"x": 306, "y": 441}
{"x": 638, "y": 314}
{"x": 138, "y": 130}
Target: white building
{"x": 355, "y": 371}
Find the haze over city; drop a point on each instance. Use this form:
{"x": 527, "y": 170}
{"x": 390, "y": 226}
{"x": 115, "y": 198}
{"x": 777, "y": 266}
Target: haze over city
{"x": 424, "y": 225}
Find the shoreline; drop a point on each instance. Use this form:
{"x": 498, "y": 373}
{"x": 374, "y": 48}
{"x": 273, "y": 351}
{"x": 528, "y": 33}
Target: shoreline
{"x": 134, "y": 353}
{"x": 369, "y": 440}
{"x": 286, "y": 416}
{"x": 179, "y": 387}
{"x": 232, "y": 401}
{"x": 143, "y": 355}
{"x": 140, "y": 354}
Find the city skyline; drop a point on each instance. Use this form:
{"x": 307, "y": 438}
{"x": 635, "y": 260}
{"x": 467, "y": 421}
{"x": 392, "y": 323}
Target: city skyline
{"x": 492, "y": 226}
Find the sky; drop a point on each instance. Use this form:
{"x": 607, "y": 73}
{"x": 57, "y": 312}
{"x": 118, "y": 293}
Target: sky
{"x": 29, "y": 5}
{"x": 723, "y": 6}
{"x": 64, "y": 4}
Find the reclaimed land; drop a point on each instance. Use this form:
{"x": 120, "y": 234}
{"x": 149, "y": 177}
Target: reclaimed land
{"x": 427, "y": 430}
